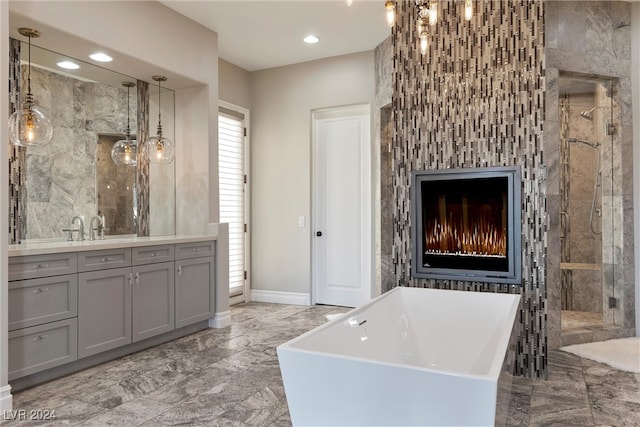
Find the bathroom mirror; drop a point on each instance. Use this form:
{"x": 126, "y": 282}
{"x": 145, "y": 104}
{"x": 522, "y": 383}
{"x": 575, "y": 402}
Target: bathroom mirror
{"x": 74, "y": 174}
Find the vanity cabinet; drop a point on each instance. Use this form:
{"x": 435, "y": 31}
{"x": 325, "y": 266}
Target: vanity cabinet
{"x": 195, "y": 273}
{"x": 43, "y": 309}
{"x": 67, "y": 306}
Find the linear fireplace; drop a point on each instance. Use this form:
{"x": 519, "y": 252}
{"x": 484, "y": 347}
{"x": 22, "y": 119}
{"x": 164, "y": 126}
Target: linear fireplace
{"x": 466, "y": 224}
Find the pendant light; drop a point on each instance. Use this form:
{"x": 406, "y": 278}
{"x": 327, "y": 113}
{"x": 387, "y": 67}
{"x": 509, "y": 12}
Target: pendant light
{"x": 29, "y": 126}
{"x": 124, "y": 152}
{"x": 159, "y": 148}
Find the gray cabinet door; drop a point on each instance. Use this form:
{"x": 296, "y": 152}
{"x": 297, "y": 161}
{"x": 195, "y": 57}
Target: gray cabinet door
{"x": 153, "y": 300}
{"x": 104, "y": 310}
{"x": 194, "y": 290}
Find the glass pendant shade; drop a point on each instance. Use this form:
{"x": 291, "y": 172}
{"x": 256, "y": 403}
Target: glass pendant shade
{"x": 29, "y": 126}
{"x": 159, "y": 148}
{"x": 125, "y": 151}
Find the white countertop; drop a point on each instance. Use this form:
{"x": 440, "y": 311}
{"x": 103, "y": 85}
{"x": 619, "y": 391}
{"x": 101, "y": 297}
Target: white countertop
{"x": 43, "y": 247}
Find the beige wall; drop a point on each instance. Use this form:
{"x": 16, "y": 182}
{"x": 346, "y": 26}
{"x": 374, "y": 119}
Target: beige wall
{"x": 282, "y": 101}
{"x": 234, "y": 84}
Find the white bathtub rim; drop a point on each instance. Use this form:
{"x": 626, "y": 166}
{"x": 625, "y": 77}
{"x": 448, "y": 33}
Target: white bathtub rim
{"x": 492, "y": 373}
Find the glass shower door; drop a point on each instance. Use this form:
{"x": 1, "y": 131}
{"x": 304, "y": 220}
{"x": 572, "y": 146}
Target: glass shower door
{"x": 587, "y": 202}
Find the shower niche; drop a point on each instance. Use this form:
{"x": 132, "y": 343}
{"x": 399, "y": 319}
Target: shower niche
{"x": 587, "y": 202}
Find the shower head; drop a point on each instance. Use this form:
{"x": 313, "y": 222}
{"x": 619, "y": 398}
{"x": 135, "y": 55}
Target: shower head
{"x": 588, "y": 114}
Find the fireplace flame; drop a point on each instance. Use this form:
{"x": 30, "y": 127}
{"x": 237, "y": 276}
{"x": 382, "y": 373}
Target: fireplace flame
{"x": 483, "y": 238}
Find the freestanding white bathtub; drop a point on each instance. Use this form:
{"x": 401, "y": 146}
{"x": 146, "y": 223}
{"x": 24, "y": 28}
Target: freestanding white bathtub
{"x": 411, "y": 357}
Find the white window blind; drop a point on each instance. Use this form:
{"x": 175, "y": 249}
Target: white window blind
{"x": 231, "y": 175}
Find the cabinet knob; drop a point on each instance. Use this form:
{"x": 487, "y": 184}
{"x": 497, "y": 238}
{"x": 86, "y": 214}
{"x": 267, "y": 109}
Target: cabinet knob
{"x": 42, "y": 265}
{"x": 40, "y": 290}
{"x": 137, "y": 278}
{"x": 40, "y": 337}
{"x": 179, "y": 270}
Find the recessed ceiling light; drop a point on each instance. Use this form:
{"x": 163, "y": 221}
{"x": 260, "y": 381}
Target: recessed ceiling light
{"x": 68, "y": 65}
{"x": 100, "y": 57}
{"x": 311, "y": 39}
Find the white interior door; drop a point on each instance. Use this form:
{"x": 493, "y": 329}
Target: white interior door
{"x": 341, "y": 255}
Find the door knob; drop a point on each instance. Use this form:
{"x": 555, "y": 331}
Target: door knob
{"x": 318, "y": 233}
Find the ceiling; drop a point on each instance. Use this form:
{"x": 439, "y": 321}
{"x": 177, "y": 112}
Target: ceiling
{"x": 257, "y": 35}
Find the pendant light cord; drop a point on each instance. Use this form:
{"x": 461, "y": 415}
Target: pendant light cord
{"x": 128, "y": 100}
{"x": 29, "y": 72}
{"x": 159, "y": 112}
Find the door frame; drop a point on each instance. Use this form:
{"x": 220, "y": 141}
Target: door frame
{"x": 366, "y": 193}
{"x": 246, "y": 294}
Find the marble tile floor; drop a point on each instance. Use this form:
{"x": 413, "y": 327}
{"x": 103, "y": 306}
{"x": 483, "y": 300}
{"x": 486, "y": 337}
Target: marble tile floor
{"x": 230, "y": 377}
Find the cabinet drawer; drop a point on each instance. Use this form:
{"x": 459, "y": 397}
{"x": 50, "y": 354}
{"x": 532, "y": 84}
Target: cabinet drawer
{"x": 33, "y": 266}
{"x": 151, "y": 254}
{"x": 36, "y": 301}
{"x": 195, "y": 250}
{"x": 42, "y": 347}
{"x": 100, "y": 260}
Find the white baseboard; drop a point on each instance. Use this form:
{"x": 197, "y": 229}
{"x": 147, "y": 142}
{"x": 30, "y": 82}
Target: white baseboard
{"x": 6, "y": 400}
{"x": 277, "y": 297}
{"x": 220, "y": 320}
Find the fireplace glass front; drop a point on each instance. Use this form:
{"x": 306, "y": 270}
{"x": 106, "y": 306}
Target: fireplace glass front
{"x": 466, "y": 224}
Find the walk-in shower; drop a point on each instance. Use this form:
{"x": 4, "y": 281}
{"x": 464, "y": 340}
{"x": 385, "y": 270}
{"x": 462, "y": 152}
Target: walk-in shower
{"x": 586, "y": 202}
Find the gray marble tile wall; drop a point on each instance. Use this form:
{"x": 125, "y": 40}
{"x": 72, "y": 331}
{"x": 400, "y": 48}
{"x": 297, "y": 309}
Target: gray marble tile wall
{"x": 593, "y": 39}
{"x": 386, "y": 197}
{"x": 476, "y": 99}
{"x": 60, "y": 177}
{"x": 383, "y": 55}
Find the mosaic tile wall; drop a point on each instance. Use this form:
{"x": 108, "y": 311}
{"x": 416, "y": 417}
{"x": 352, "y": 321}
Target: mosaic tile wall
{"x": 142, "y": 220}
{"x": 17, "y": 155}
{"x": 476, "y": 99}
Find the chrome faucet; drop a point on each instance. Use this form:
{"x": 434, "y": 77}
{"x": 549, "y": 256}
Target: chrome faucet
{"x": 99, "y": 228}
{"x": 80, "y": 229}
